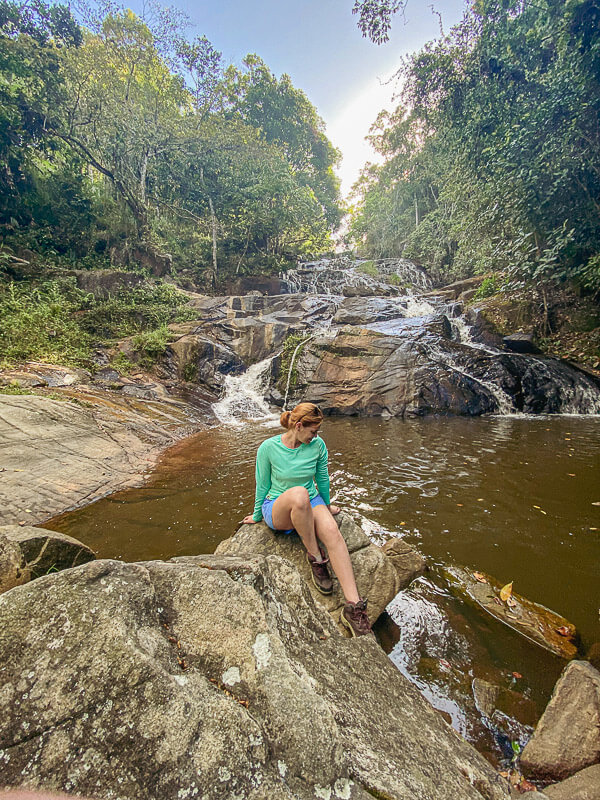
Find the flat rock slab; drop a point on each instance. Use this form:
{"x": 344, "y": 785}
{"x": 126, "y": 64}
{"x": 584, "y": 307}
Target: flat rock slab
{"x": 585, "y": 785}
{"x": 44, "y": 551}
{"x": 536, "y": 622}
{"x": 212, "y": 677}
{"x": 57, "y": 455}
{"x": 567, "y": 737}
{"x": 377, "y": 577}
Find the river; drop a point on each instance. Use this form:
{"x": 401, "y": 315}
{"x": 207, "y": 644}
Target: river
{"x": 515, "y": 497}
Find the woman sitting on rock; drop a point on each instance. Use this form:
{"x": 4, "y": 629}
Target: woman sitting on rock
{"x": 292, "y": 493}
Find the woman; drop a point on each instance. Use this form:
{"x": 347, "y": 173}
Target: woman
{"x": 292, "y": 493}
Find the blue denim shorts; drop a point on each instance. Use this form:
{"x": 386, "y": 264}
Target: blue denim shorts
{"x": 267, "y": 510}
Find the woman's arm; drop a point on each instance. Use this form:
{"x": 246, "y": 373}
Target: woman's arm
{"x": 263, "y": 480}
{"x": 322, "y": 473}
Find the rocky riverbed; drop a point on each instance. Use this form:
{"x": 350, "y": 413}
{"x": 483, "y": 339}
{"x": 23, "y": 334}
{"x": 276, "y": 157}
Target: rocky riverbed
{"x": 235, "y": 678}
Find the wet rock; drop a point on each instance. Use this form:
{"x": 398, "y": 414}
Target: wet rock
{"x": 567, "y": 737}
{"x": 366, "y": 372}
{"x": 361, "y": 311}
{"x": 376, "y": 575}
{"x": 195, "y": 358}
{"x": 411, "y": 367}
{"x": 57, "y": 455}
{"x": 409, "y": 563}
{"x": 33, "y": 374}
{"x": 262, "y": 284}
{"x": 213, "y": 677}
{"x": 520, "y": 343}
{"x": 584, "y": 785}
{"x": 535, "y": 622}
{"x": 43, "y": 551}
{"x": 454, "y": 290}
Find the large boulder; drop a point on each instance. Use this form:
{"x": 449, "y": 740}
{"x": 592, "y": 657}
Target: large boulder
{"x": 567, "y": 737}
{"x": 584, "y": 785}
{"x": 213, "y": 677}
{"x": 37, "y": 552}
{"x": 409, "y": 367}
{"x": 377, "y": 578}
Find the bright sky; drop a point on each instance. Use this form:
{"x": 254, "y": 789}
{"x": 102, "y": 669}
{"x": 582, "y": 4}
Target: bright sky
{"x": 318, "y": 44}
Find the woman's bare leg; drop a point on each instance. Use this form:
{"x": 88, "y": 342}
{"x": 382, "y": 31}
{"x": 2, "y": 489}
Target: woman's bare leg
{"x": 328, "y": 532}
{"x": 292, "y": 509}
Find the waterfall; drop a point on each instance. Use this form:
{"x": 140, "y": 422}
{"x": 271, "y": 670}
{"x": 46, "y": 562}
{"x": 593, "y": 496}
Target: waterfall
{"x": 244, "y": 396}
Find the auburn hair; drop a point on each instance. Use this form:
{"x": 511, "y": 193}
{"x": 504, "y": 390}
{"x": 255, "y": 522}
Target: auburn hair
{"x": 306, "y": 413}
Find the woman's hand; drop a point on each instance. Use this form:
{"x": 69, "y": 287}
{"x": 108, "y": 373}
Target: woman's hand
{"x": 249, "y": 520}
{"x": 335, "y": 510}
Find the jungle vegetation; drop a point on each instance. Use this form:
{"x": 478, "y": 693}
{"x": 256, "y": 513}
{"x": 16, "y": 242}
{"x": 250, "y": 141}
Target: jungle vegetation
{"x": 491, "y": 160}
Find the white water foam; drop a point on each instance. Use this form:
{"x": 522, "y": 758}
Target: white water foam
{"x": 244, "y": 396}
{"x": 417, "y": 307}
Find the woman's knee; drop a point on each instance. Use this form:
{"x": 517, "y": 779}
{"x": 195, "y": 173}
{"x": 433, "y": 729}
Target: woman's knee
{"x": 299, "y": 497}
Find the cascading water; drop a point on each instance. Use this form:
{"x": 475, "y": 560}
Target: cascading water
{"x": 244, "y": 396}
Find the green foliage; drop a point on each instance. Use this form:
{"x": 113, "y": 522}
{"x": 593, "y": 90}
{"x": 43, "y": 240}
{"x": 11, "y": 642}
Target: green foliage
{"x": 488, "y": 287}
{"x": 490, "y": 162}
{"x": 190, "y": 372}
{"x": 152, "y": 345}
{"x": 123, "y": 137}
{"x": 37, "y": 323}
{"x": 53, "y": 321}
{"x": 368, "y": 268}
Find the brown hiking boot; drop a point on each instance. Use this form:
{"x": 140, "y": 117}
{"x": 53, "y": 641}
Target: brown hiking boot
{"x": 354, "y": 617}
{"x": 320, "y": 574}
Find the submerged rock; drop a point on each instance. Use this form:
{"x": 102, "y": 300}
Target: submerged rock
{"x": 567, "y": 737}
{"x": 213, "y": 677}
{"x": 536, "y": 622}
{"x": 377, "y": 577}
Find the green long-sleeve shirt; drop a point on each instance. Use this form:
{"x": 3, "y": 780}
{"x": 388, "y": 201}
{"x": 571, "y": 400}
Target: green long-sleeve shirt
{"x": 279, "y": 468}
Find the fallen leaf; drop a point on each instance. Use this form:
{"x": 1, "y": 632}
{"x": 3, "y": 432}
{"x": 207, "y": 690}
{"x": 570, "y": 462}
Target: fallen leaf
{"x": 480, "y": 577}
{"x": 506, "y": 591}
{"x": 571, "y": 474}
{"x": 593, "y": 529}
{"x": 28, "y": 511}
{"x": 526, "y": 786}
{"x": 403, "y": 523}
{"x": 536, "y": 506}
{"x": 22, "y": 522}
{"x": 517, "y": 675}
{"x": 480, "y": 499}
{"x": 460, "y": 504}
{"x": 564, "y": 630}
{"x": 596, "y": 503}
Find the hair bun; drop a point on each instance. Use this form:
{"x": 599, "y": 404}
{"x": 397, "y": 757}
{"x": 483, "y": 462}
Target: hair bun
{"x": 284, "y": 419}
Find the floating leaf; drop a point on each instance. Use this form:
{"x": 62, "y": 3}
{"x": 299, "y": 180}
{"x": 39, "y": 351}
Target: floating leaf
{"x": 517, "y": 675}
{"x": 506, "y": 592}
{"x": 597, "y": 503}
{"x": 479, "y": 576}
{"x": 564, "y": 630}
{"x": 460, "y": 504}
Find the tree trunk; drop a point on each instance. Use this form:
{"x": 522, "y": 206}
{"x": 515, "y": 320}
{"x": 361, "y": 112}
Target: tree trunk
{"x": 213, "y": 222}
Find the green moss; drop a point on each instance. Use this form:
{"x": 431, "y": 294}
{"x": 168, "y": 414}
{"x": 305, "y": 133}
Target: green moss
{"x": 289, "y": 347}
{"x": 14, "y": 388}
